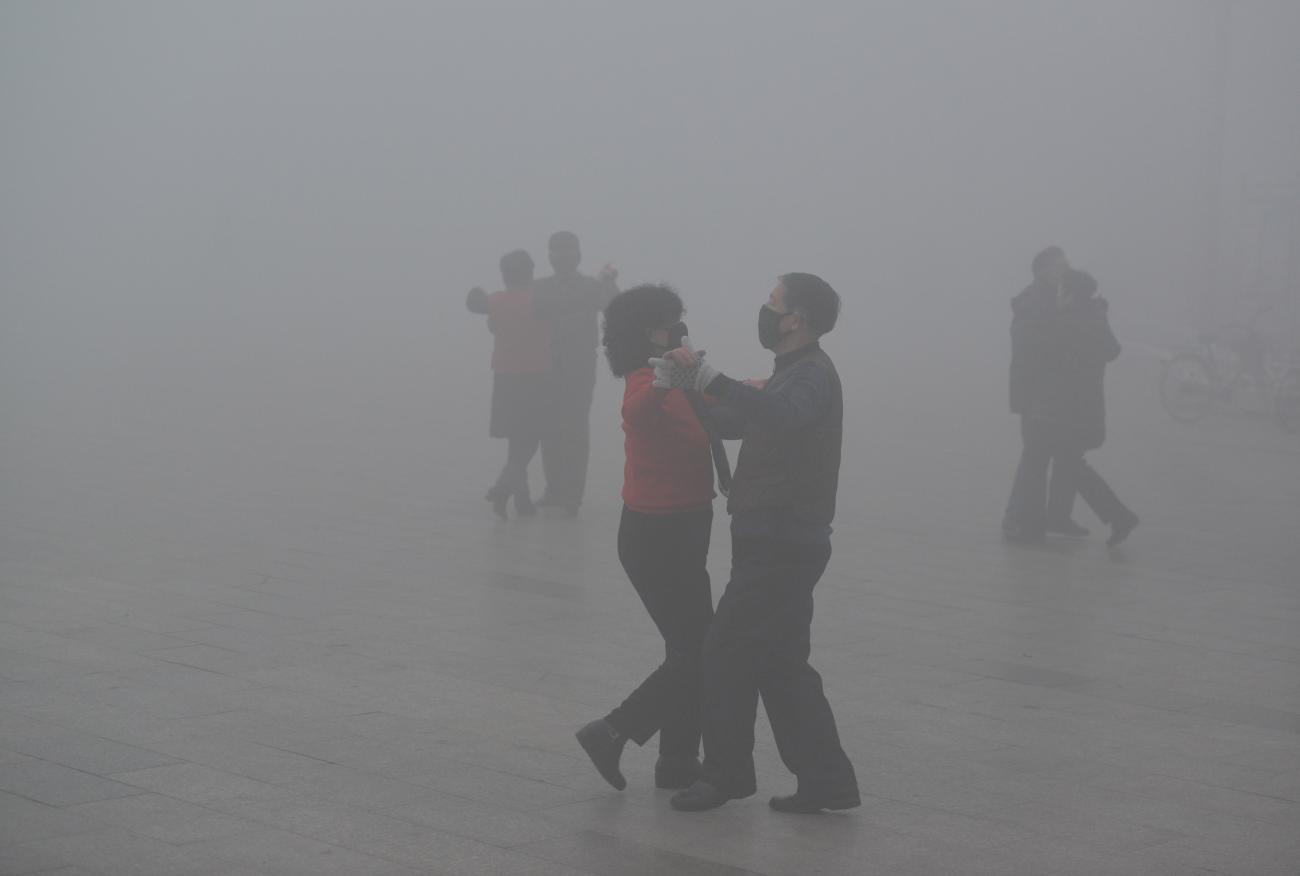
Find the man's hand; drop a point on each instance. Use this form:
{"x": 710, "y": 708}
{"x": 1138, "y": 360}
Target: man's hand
{"x": 683, "y": 368}
{"x": 685, "y": 355}
{"x": 670, "y": 375}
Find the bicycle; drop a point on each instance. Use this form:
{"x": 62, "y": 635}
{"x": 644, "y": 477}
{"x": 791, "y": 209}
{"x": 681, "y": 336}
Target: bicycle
{"x": 1225, "y": 364}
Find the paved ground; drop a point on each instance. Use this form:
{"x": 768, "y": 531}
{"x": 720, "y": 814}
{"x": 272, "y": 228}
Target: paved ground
{"x": 258, "y": 634}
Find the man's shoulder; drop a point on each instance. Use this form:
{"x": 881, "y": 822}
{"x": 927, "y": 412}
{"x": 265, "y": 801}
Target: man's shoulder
{"x": 816, "y": 364}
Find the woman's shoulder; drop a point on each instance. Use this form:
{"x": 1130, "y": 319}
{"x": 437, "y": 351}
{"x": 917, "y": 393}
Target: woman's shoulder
{"x": 640, "y": 377}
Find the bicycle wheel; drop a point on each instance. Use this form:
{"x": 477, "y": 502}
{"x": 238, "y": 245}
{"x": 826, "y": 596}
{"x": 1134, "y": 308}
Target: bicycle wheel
{"x": 1238, "y": 352}
{"x": 1288, "y": 401}
{"x": 1186, "y": 389}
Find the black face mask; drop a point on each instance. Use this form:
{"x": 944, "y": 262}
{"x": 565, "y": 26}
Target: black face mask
{"x": 769, "y": 327}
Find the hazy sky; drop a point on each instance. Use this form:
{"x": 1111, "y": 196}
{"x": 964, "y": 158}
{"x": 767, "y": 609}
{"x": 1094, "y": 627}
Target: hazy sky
{"x": 194, "y": 183}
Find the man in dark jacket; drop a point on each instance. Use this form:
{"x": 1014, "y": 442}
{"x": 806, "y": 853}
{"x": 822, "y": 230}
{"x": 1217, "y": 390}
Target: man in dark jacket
{"x": 573, "y": 301}
{"x": 1085, "y": 345}
{"x": 782, "y": 501}
{"x": 1036, "y": 391}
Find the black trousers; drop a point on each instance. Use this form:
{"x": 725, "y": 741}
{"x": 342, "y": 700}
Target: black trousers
{"x": 758, "y": 646}
{"x": 566, "y": 444}
{"x": 1072, "y": 474}
{"x": 665, "y": 556}
{"x": 520, "y": 450}
{"x": 1047, "y": 444}
{"x": 1041, "y": 439}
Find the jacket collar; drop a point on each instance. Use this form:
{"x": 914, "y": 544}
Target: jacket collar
{"x": 785, "y": 360}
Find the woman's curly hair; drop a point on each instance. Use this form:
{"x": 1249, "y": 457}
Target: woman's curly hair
{"x": 630, "y": 316}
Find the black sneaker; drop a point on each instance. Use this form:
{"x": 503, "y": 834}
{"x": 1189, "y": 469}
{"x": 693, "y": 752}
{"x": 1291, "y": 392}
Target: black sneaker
{"x": 604, "y": 746}
{"x": 546, "y": 501}
{"x": 524, "y": 506}
{"x": 1122, "y": 529}
{"x": 699, "y": 797}
{"x": 674, "y": 773}
{"x": 1068, "y": 528}
{"x": 800, "y": 803}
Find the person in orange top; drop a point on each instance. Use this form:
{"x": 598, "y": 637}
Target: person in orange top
{"x": 521, "y": 380}
{"x": 663, "y": 540}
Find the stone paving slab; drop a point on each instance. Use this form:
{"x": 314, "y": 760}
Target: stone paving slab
{"x": 294, "y": 657}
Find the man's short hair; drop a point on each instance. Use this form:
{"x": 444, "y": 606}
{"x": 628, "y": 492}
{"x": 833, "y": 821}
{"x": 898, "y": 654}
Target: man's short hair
{"x": 517, "y": 268}
{"x": 1044, "y": 258}
{"x": 563, "y": 240}
{"x": 814, "y": 298}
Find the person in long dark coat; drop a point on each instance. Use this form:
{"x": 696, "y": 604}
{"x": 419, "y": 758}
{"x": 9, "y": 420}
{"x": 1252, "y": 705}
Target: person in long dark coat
{"x": 1085, "y": 345}
{"x": 1036, "y": 394}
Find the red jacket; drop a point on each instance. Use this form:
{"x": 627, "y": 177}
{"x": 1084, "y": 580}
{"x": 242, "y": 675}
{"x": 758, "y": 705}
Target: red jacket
{"x": 521, "y": 341}
{"x": 669, "y": 467}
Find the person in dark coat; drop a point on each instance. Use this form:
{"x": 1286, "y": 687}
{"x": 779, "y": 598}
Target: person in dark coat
{"x": 573, "y": 301}
{"x": 1036, "y": 393}
{"x": 663, "y": 540}
{"x": 521, "y": 376}
{"x": 1085, "y": 345}
{"x": 782, "y": 502}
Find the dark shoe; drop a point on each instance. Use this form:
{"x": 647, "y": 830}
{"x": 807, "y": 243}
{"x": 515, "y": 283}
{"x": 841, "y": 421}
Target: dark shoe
{"x": 1122, "y": 528}
{"x": 524, "y": 506}
{"x": 1067, "y": 528}
{"x": 604, "y": 746}
{"x": 673, "y": 773}
{"x": 699, "y": 797}
{"x": 546, "y": 501}
{"x": 570, "y": 510}
{"x": 498, "y": 496}
{"x": 810, "y": 804}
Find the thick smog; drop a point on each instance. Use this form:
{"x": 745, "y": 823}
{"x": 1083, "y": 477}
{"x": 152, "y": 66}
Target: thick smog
{"x": 595, "y": 438}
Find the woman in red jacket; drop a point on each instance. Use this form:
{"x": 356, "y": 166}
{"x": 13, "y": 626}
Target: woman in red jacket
{"x": 663, "y": 540}
{"x": 521, "y": 366}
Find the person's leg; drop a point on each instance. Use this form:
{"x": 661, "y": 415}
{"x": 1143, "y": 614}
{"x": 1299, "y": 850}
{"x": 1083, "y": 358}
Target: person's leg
{"x": 579, "y": 452}
{"x": 651, "y": 550}
{"x": 522, "y": 450}
{"x": 1026, "y": 509}
{"x": 664, "y": 556}
{"x": 1066, "y": 463}
{"x": 732, "y": 650}
{"x": 1105, "y": 504}
{"x": 552, "y": 447}
{"x": 499, "y": 493}
{"x": 636, "y": 718}
{"x": 801, "y": 717}
{"x": 1098, "y": 495}
{"x": 563, "y": 445}
{"x": 684, "y": 632}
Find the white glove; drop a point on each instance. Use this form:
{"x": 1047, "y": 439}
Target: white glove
{"x": 670, "y": 374}
{"x": 704, "y": 374}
